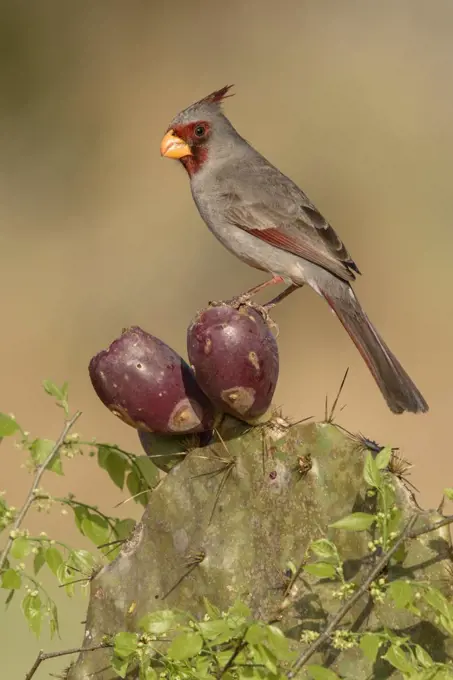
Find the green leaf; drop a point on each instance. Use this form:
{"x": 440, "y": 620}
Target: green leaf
{"x": 400, "y": 555}
{"x": 212, "y": 611}
{"x": 39, "y": 559}
{"x": 369, "y": 644}
{"x": 401, "y": 592}
{"x": 32, "y": 608}
{"x": 111, "y": 552}
{"x": 21, "y": 547}
{"x": 387, "y": 495}
{"x": 447, "y": 623}
{"x": 114, "y": 463}
{"x": 134, "y": 484}
{"x": 8, "y": 425}
{"x": 52, "y": 389}
{"x": 149, "y": 471}
{"x": 125, "y": 644}
{"x": 41, "y": 449}
{"x": 383, "y": 458}
{"x": 124, "y": 527}
{"x": 395, "y": 521}
{"x": 448, "y": 493}
{"x": 185, "y": 646}
{"x": 59, "y": 393}
{"x": 53, "y": 558}
{"x": 324, "y": 549}
{"x": 56, "y": 465}
{"x": 217, "y": 630}
{"x": 357, "y": 521}
{"x": 79, "y": 515}
{"x": 371, "y": 472}
{"x": 65, "y": 576}
{"x": 150, "y": 674}
{"x": 438, "y": 602}
{"x": 320, "y": 673}
{"x": 263, "y": 655}
{"x": 399, "y": 659}
{"x": 82, "y": 560}
{"x": 278, "y": 643}
{"x": 119, "y": 666}
{"x": 224, "y": 656}
{"x": 157, "y": 623}
{"x": 96, "y": 528}
{"x": 103, "y": 454}
{"x": 240, "y": 609}
{"x": 320, "y": 569}
{"x": 423, "y": 657}
{"x": 255, "y": 634}
{"x": 11, "y": 579}
{"x": 201, "y": 667}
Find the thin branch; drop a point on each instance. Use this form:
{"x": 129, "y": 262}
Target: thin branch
{"x": 73, "y": 502}
{"x": 85, "y": 579}
{"x": 43, "y": 656}
{"x": 432, "y": 527}
{"x": 237, "y": 650}
{"x": 335, "y": 620}
{"x": 31, "y": 495}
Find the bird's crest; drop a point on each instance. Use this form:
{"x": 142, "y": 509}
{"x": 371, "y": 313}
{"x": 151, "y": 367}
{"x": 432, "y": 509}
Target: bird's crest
{"x": 217, "y": 97}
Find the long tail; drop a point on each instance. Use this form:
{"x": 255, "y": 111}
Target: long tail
{"x": 398, "y": 390}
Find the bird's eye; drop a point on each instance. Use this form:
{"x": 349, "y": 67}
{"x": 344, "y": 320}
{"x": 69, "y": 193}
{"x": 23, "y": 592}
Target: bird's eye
{"x": 200, "y": 131}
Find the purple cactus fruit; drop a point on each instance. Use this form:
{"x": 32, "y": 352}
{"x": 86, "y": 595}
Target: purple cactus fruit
{"x": 235, "y": 358}
{"x": 149, "y": 386}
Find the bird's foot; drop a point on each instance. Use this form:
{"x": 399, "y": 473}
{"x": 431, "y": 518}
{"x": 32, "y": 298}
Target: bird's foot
{"x": 245, "y": 301}
{"x": 245, "y": 298}
{"x": 263, "y": 312}
{"x": 234, "y": 302}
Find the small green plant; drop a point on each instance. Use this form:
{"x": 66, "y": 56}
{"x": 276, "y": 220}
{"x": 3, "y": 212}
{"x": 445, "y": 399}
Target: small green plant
{"x": 23, "y": 554}
{"x": 229, "y": 644}
{"x": 422, "y": 599}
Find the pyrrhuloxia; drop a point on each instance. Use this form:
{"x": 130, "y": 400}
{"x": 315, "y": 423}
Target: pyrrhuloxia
{"x": 261, "y": 216}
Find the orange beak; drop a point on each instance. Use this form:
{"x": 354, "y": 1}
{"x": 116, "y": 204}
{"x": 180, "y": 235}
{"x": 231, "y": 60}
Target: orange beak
{"x": 172, "y": 146}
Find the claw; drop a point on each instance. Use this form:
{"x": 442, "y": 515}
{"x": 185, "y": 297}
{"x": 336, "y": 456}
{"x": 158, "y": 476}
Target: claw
{"x": 245, "y": 301}
{"x": 218, "y": 303}
{"x": 261, "y": 309}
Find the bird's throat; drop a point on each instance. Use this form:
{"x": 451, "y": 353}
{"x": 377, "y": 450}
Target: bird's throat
{"x": 194, "y": 162}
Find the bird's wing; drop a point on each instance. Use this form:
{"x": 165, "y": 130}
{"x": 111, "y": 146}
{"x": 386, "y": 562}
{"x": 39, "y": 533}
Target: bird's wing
{"x": 293, "y": 224}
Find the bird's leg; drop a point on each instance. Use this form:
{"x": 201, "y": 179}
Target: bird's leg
{"x": 264, "y": 309}
{"x": 245, "y": 297}
{"x": 282, "y": 296}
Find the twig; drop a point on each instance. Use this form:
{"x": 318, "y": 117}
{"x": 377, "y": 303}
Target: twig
{"x": 43, "y": 656}
{"x": 432, "y": 527}
{"x": 73, "y": 502}
{"x": 239, "y": 647}
{"x": 85, "y": 579}
{"x": 335, "y": 620}
{"x": 31, "y": 495}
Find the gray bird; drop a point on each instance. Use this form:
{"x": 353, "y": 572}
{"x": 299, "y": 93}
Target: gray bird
{"x": 262, "y": 217}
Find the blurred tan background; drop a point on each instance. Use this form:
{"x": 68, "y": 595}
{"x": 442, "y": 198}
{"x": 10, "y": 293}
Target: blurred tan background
{"x": 352, "y": 100}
